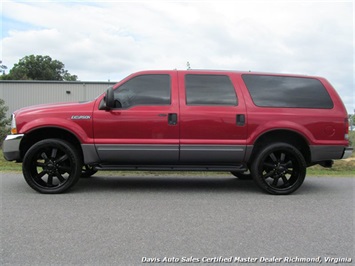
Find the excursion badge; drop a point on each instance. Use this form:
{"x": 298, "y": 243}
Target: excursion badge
{"x": 80, "y": 117}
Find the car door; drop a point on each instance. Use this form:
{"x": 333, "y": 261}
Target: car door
{"x": 212, "y": 119}
{"x": 143, "y": 127}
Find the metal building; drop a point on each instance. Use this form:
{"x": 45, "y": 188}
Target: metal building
{"x": 18, "y": 93}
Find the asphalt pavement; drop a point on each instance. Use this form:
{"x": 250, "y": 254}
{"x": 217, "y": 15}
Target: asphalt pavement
{"x": 177, "y": 220}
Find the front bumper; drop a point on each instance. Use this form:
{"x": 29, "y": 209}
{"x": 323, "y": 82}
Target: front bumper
{"x": 11, "y": 147}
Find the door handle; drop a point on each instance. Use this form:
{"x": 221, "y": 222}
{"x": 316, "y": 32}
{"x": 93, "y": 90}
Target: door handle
{"x": 172, "y": 119}
{"x": 240, "y": 120}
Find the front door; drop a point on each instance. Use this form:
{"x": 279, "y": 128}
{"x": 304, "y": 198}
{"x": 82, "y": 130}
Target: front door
{"x": 143, "y": 128}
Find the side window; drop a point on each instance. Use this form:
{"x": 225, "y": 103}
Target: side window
{"x": 209, "y": 90}
{"x": 279, "y": 91}
{"x": 144, "y": 90}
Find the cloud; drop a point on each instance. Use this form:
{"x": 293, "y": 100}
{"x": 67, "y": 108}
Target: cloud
{"x": 102, "y": 40}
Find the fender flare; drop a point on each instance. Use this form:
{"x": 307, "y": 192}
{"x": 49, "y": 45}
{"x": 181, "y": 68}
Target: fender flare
{"x": 59, "y": 123}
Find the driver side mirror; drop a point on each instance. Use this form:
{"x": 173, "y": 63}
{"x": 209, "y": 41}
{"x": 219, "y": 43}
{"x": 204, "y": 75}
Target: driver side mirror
{"x": 108, "y": 101}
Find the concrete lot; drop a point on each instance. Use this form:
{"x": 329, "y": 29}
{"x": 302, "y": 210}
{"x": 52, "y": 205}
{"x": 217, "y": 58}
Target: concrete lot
{"x": 131, "y": 220}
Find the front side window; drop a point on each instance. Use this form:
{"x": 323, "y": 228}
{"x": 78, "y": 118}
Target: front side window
{"x": 144, "y": 90}
{"x": 209, "y": 90}
{"x": 280, "y": 91}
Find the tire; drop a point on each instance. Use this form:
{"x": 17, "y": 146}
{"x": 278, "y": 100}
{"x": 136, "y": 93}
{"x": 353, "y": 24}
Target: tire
{"x": 242, "y": 175}
{"x": 279, "y": 169}
{"x": 87, "y": 171}
{"x": 52, "y": 166}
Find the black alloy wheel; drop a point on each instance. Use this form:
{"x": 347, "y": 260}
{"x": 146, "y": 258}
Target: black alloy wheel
{"x": 279, "y": 169}
{"x": 52, "y": 166}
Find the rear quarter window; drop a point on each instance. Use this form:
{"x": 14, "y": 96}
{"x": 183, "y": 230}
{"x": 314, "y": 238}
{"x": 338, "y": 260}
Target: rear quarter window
{"x": 291, "y": 92}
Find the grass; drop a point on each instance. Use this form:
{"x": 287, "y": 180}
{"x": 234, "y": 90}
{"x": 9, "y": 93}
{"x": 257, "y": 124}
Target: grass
{"x": 340, "y": 167}
{"x": 8, "y": 166}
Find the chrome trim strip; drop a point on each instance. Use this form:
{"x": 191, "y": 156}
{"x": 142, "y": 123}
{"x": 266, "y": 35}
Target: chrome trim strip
{"x": 212, "y": 147}
{"x": 209, "y": 148}
{"x": 134, "y": 147}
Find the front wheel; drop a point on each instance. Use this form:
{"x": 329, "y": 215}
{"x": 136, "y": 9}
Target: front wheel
{"x": 52, "y": 166}
{"x": 279, "y": 169}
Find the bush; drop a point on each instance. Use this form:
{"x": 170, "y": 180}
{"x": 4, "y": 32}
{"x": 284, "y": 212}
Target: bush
{"x": 4, "y": 122}
{"x": 352, "y": 138}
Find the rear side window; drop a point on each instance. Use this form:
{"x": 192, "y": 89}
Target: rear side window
{"x": 209, "y": 90}
{"x": 144, "y": 90}
{"x": 278, "y": 91}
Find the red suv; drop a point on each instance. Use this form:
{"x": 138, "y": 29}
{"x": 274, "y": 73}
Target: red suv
{"x": 269, "y": 127}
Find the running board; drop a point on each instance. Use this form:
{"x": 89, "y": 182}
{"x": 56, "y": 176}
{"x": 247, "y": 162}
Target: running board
{"x": 236, "y": 168}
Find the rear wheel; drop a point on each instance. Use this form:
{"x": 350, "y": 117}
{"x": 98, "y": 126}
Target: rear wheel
{"x": 279, "y": 169}
{"x": 52, "y": 166}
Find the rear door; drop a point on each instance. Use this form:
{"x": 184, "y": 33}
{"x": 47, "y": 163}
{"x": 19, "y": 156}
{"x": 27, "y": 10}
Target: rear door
{"x": 143, "y": 129}
{"x": 213, "y": 126}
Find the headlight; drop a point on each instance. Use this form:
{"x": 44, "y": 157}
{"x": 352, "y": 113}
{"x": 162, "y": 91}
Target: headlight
{"x": 13, "y": 125}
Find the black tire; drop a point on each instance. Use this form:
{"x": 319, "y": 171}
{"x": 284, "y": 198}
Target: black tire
{"x": 242, "y": 175}
{"x": 279, "y": 169}
{"x": 52, "y": 166}
{"x": 87, "y": 171}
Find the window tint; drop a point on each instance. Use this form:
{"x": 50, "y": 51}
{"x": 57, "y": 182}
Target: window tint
{"x": 144, "y": 90}
{"x": 209, "y": 90}
{"x": 278, "y": 91}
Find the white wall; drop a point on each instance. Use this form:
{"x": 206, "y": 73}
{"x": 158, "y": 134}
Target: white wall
{"x": 18, "y": 94}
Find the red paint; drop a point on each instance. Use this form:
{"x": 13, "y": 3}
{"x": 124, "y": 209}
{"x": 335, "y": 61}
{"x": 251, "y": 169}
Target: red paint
{"x": 196, "y": 124}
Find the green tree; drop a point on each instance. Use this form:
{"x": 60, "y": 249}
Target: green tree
{"x": 4, "y": 122}
{"x": 351, "y": 120}
{"x": 38, "y": 67}
{"x": 2, "y": 68}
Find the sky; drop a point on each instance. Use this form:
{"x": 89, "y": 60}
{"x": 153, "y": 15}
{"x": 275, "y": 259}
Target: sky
{"x": 108, "y": 40}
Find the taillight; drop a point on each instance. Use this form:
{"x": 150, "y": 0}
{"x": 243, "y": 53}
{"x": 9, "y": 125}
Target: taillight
{"x": 346, "y": 122}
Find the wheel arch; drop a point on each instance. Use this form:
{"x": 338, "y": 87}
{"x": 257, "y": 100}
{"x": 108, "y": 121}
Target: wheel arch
{"x": 283, "y": 135}
{"x": 49, "y": 133}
